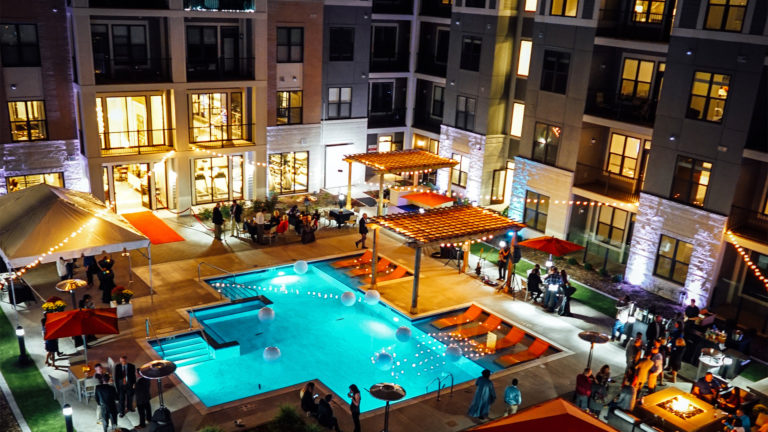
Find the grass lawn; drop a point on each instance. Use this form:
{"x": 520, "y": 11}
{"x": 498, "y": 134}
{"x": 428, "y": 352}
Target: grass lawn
{"x": 32, "y": 394}
{"x": 755, "y": 371}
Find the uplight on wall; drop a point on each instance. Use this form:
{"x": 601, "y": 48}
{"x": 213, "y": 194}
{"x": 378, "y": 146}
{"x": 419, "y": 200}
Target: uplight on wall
{"x": 524, "y": 60}
{"x": 516, "y": 125}
{"x": 530, "y": 5}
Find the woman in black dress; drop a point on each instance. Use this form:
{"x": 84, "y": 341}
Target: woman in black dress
{"x": 106, "y": 283}
{"x": 354, "y": 405}
{"x": 676, "y": 357}
{"x": 363, "y": 230}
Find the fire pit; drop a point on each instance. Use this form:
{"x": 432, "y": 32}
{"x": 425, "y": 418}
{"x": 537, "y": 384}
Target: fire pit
{"x": 674, "y": 409}
{"x": 680, "y": 407}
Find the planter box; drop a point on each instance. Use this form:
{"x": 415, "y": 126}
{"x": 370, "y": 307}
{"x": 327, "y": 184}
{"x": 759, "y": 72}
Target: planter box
{"x": 123, "y": 310}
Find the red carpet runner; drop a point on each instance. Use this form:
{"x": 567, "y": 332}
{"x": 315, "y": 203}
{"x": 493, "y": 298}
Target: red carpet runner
{"x": 152, "y": 227}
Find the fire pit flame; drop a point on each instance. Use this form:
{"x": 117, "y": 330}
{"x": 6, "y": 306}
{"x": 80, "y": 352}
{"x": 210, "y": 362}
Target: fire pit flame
{"x": 680, "y": 407}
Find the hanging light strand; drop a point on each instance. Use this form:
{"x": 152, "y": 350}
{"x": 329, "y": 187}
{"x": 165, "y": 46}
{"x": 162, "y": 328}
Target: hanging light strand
{"x": 747, "y": 260}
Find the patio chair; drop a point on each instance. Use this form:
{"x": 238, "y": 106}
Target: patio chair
{"x": 89, "y": 389}
{"x": 365, "y": 258}
{"x": 62, "y": 387}
{"x": 537, "y": 348}
{"x": 468, "y": 315}
{"x": 364, "y": 270}
{"x": 511, "y": 339}
{"x": 485, "y": 327}
{"x": 397, "y": 273}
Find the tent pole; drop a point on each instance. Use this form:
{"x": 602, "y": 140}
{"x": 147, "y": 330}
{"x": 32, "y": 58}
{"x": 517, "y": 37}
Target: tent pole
{"x": 416, "y": 271}
{"x": 510, "y": 264}
{"x": 13, "y": 291}
{"x": 349, "y": 187}
{"x": 380, "y": 207}
{"x": 151, "y": 289}
{"x": 375, "y": 257}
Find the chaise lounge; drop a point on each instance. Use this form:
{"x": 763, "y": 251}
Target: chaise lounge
{"x": 365, "y": 258}
{"x": 364, "y": 270}
{"x": 489, "y": 325}
{"x": 396, "y": 273}
{"x": 471, "y": 314}
{"x": 511, "y": 339}
{"x": 537, "y": 348}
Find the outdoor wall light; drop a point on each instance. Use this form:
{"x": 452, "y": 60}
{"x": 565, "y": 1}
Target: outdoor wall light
{"x": 23, "y": 356}
{"x": 672, "y": 137}
{"x": 67, "y": 411}
{"x": 13, "y": 86}
{"x": 689, "y": 52}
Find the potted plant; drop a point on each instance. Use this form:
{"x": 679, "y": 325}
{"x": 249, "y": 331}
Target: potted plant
{"x": 54, "y": 304}
{"x": 121, "y": 299}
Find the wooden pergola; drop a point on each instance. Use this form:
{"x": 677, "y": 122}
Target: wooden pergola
{"x": 397, "y": 162}
{"x": 458, "y": 225}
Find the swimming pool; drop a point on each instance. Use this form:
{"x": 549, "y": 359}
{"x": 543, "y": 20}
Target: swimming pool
{"x": 319, "y": 338}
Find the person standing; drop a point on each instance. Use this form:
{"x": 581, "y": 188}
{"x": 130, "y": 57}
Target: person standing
{"x": 676, "y": 357}
{"x": 106, "y": 263}
{"x": 61, "y": 268}
{"x": 484, "y": 397}
{"x": 534, "y": 283}
{"x": 236, "y": 218}
{"x": 584, "y": 388}
{"x": 692, "y": 311}
{"x": 91, "y": 268}
{"x": 354, "y": 405}
{"x": 512, "y": 398}
{"x": 218, "y": 221}
{"x": 125, "y": 382}
{"x": 143, "y": 396}
{"x": 655, "y": 331}
{"x": 363, "y": 230}
{"x": 307, "y": 395}
{"x": 503, "y": 262}
{"x": 260, "y": 225}
{"x": 643, "y": 372}
{"x": 566, "y": 291}
{"x": 623, "y": 308}
{"x": 634, "y": 351}
{"x": 106, "y": 284}
{"x": 51, "y": 346}
{"x": 106, "y": 396}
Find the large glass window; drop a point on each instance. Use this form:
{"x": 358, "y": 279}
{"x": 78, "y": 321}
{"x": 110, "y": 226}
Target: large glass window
{"x": 15, "y": 183}
{"x": 339, "y": 102}
{"x": 341, "y": 44}
{"x": 465, "y": 113}
{"x": 129, "y": 44}
{"x": 636, "y": 79}
{"x": 211, "y": 177}
{"x": 216, "y": 117}
{"x": 709, "y": 93}
{"x": 648, "y": 11}
{"x": 438, "y": 100}
{"x": 535, "y": 212}
{"x": 238, "y": 179}
{"x": 460, "y": 171}
{"x": 546, "y": 142}
{"x": 289, "y": 107}
{"x": 554, "y": 76}
{"x": 691, "y": 180}
{"x": 18, "y": 45}
{"x": 471, "y": 46}
{"x": 27, "y": 120}
{"x": 498, "y": 186}
{"x": 131, "y": 122}
{"x": 623, "y": 155}
{"x": 289, "y": 172}
{"x": 382, "y": 97}
{"x": 290, "y": 44}
{"x": 384, "y": 45}
{"x": 567, "y": 8}
{"x": 516, "y": 124}
{"x": 611, "y": 224}
{"x": 524, "y": 60}
{"x": 202, "y": 45}
{"x": 442, "y": 42}
{"x": 673, "y": 259}
{"x": 725, "y": 15}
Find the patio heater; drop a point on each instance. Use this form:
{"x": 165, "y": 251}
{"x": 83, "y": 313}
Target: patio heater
{"x": 593, "y": 338}
{"x": 157, "y": 370}
{"x": 387, "y": 392}
{"x": 70, "y": 285}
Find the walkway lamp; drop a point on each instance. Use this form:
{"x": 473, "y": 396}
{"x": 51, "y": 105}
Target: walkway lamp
{"x": 23, "y": 356}
{"x": 67, "y": 411}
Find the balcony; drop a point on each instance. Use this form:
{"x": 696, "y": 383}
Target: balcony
{"x": 436, "y": 8}
{"x": 136, "y": 142}
{"x": 749, "y": 224}
{"x": 129, "y": 4}
{"x": 219, "y": 136}
{"x": 626, "y": 24}
{"x": 219, "y": 5}
{"x": 599, "y": 181}
{"x": 109, "y": 71}
{"x": 607, "y": 105}
{"x": 221, "y": 69}
{"x": 401, "y": 7}
{"x": 394, "y": 119}
{"x": 428, "y": 66}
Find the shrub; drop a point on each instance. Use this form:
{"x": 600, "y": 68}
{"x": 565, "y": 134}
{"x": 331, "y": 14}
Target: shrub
{"x": 572, "y": 261}
{"x": 603, "y": 272}
{"x": 617, "y": 278}
{"x": 225, "y": 211}
{"x": 588, "y": 266}
{"x": 211, "y": 429}
{"x": 206, "y": 214}
{"x": 287, "y": 420}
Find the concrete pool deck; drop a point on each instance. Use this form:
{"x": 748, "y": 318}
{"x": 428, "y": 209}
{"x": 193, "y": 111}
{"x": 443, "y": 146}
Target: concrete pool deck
{"x": 441, "y": 288}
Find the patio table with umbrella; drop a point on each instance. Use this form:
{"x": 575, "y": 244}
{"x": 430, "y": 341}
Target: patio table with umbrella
{"x": 551, "y": 245}
{"x": 81, "y": 322}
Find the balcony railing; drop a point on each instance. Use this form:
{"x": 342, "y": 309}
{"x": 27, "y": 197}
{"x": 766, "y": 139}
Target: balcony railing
{"x": 628, "y": 24}
{"x": 427, "y": 65}
{"x": 219, "y": 5}
{"x": 220, "y": 69}
{"x": 129, "y": 4}
{"x": 393, "y": 119}
{"x": 748, "y": 223}
{"x": 136, "y": 142}
{"x": 436, "y": 8}
{"x": 611, "y": 106}
{"x": 111, "y": 71}
{"x": 222, "y": 136}
{"x": 598, "y": 180}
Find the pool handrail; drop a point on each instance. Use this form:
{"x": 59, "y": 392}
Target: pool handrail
{"x": 200, "y": 278}
{"x": 148, "y": 325}
{"x": 440, "y": 384}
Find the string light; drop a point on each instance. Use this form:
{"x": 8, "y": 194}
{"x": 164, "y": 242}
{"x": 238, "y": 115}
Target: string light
{"x": 747, "y": 260}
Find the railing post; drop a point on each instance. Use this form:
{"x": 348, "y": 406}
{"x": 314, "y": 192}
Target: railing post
{"x": 146, "y": 326}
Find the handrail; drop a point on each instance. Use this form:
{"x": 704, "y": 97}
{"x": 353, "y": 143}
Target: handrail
{"x": 148, "y": 325}
{"x": 234, "y": 276}
{"x": 440, "y": 384}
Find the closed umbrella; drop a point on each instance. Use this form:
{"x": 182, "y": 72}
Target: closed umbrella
{"x": 81, "y": 322}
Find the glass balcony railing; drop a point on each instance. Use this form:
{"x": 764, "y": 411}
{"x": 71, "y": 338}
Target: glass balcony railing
{"x": 111, "y": 71}
{"x": 136, "y": 142}
{"x": 612, "y": 106}
{"x": 748, "y": 223}
{"x": 598, "y": 180}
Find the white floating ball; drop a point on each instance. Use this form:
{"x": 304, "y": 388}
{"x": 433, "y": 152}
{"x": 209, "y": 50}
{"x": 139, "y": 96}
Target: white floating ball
{"x": 453, "y": 353}
{"x": 403, "y": 334}
{"x": 266, "y": 314}
{"x": 348, "y": 298}
{"x": 300, "y": 267}
{"x": 372, "y": 297}
{"x": 384, "y": 361}
{"x": 271, "y": 354}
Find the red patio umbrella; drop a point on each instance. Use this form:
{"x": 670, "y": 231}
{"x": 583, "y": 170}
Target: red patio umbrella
{"x": 551, "y": 245}
{"x": 556, "y": 414}
{"x": 81, "y": 322}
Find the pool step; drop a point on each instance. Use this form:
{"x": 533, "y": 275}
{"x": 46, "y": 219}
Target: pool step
{"x": 237, "y": 293}
{"x": 184, "y": 350}
{"x": 198, "y": 345}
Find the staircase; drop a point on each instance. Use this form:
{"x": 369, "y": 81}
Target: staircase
{"x": 184, "y": 350}
{"x": 237, "y": 292}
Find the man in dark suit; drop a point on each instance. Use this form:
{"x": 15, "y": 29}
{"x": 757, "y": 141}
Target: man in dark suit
{"x": 143, "y": 396}
{"x": 106, "y": 397}
{"x": 125, "y": 382}
{"x": 655, "y": 331}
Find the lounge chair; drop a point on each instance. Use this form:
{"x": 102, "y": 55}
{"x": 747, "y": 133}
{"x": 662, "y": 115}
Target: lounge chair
{"x": 537, "y": 348}
{"x": 511, "y": 339}
{"x": 489, "y": 325}
{"x": 365, "y": 270}
{"x": 396, "y": 273}
{"x": 468, "y": 315}
{"x": 365, "y": 258}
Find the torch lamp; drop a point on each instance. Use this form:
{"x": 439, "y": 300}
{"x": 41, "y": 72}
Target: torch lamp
{"x": 67, "y": 411}
{"x": 23, "y": 356}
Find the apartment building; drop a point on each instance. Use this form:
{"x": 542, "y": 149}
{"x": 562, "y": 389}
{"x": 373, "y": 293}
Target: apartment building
{"x": 38, "y": 136}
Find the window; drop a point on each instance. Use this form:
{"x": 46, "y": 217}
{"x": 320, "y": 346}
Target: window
{"x": 212, "y": 179}
{"x": 649, "y": 11}
{"x": 470, "y": 53}
{"x": 290, "y": 44}
{"x": 342, "y": 44}
{"x": 546, "y": 142}
{"x": 384, "y": 46}
{"x": 524, "y": 61}
{"x": 425, "y": 143}
{"x": 129, "y": 44}
{"x": 460, "y": 171}
{"x": 516, "y": 124}
{"x": 386, "y": 144}
{"x": 202, "y": 44}
{"x": 535, "y": 212}
{"x": 672, "y": 259}
{"x": 623, "y": 155}
{"x": 530, "y": 5}
{"x": 708, "y": 95}
{"x": 442, "y": 40}
{"x": 27, "y": 120}
{"x": 691, "y": 180}
{"x": 725, "y": 15}
{"x": 465, "y": 113}
{"x": 216, "y": 117}
{"x": 289, "y": 107}
{"x": 438, "y": 95}
{"x": 382, "y": 95}
{"x": 18, "y": 45}
{"x": 611, "y": 224}
{"x": 554, "y": 77}
{"x": 288, "y": 172}
{"x": 636, "y": 79}
{"x": 339, "y": 102}
{"x": 131, "y": 122}
{"x": 564, "y": 7}
{"x": 498, "y": 184}
{"x": 16, "y": 183}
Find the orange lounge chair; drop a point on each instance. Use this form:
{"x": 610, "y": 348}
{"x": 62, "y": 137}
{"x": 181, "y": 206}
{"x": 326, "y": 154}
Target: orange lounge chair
{"x": 364, "y": 270}
{"x": 511, "y": 339}
{"x": 468, "y": 315}
{"x": 537, "y": 348}
{"x": 365, "y": 258}
{"x": 397, "y": 273}
{"x": 490, "y": 324}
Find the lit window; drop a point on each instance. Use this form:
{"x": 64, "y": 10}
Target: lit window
{"x": 673, "y": 259}
{"x": 131, "y": 124}
{"x": 524, "y": 62}
{"x": 27, "y": 120}
{"x": 516, "y": 125}
{"x": 530, "y": 5}
{"x": 460, "y": 171}
{"x": 498, "y": 186}
{"x": 216, "y": 117}
{"x": 725, "y": 15}
{"x": 611, "y": 224}
{"x": 567, "y": 8}
{"x": 546, "y": 142}
{"x": 691, "y": 180}
{"x": 289, "y": 172}
{"x": 636, "y": 79}
{"x": 709, "y": 93}
{"x": 649, "y": 11}
{"x": 623, "y": 155}
{"x": 212, "y": 179}
{"x": 385, "y": 143}
{"x": 289, "y": 107}
{"x": 16, "y": 183}
{"x": 536, "y": 210}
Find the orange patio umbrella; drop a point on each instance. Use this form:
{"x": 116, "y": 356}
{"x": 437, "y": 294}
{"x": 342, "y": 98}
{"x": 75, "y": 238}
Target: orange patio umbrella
{"x": 556, "y": 414}
{"x": 551, "y": 245}
{"x": 81, "y": 322}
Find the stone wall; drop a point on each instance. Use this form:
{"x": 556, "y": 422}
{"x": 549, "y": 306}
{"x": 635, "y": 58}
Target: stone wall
{"x": 469, "y": 145}
{"x": 547, "y": 180}
{"x": 38, "y": 157}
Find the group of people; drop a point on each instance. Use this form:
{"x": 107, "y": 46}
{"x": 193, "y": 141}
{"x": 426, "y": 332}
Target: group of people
{"x": 262, "y": 223}
{"x": 115, "y": 393}
{"x": 322, "y": 409}
{"x": 554, "y": 291}
{"x": 485, "y": 396}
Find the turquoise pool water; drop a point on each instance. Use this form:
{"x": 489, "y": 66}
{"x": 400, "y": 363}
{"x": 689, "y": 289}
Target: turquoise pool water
{"x": 319, "y": 338}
